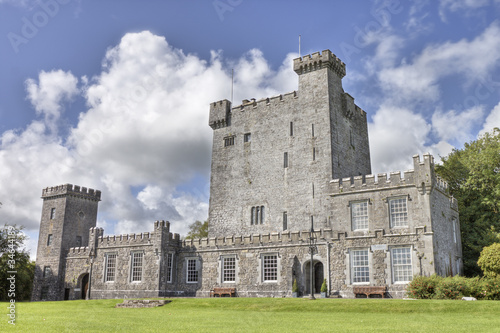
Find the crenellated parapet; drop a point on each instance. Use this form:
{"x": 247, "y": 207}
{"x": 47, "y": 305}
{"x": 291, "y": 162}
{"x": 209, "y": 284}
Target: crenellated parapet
{"x": 285, "y": 238}
{"x": 316, "y": 61}
{"x": 423, "y": 177}
{"x": 69, "y": 189}
{"x": 220, "y": 114}
{"x": 83, "y": 251}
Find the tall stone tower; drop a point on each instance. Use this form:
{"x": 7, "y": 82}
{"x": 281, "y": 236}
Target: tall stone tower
{"x": 68, "y": 212}
{"x": 273, "y": 159}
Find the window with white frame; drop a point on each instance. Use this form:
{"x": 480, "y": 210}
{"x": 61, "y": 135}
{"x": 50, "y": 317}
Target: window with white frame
{"x": 136, "y": 272}
{"x": 359, "y": 215}
{"x": 170, "y": 262}
{"x": 360, "y": 269}
{"x": 110, "y": 268}
{"x": 270, "y": 267}
{"x": 229, "y": 269}
{"x": 398, "y": 212}
{"x": 401, "y": 264}
{"x": 192, "y": 270}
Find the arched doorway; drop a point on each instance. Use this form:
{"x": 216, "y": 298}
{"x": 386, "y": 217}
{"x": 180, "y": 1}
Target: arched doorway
{"x": 319, "y": 275}
{"x": 85, "y": 285}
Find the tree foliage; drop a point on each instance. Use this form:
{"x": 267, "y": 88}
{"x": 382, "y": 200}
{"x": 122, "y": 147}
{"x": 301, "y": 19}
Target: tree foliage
{"x": 473, "y": 176}
{"x": 489, "y": 260}
{"x": 14, "y": 259}
{"x": 198, "y": 229}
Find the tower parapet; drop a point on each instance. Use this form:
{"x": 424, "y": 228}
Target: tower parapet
{"x": 220, "y": 114}
{"x": 69, "y": 189}
{"x": 315, "y": 61}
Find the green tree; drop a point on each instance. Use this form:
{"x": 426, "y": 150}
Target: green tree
{"x": 15, "y": 259}
{"x": 473, "y": 176}
{"x": 489, "y": 260}
{"x": 198, "y": 229}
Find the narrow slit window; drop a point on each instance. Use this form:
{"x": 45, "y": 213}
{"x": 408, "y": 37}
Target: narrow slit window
{"x": 291, "y": 128}
{"x": 285, "y": 221}
{"x": 312, "y": 130}
{"x": 285, "y": 160}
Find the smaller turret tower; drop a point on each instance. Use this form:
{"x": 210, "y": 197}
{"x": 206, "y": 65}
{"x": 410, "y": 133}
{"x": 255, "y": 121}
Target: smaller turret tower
{"x": 68, "y": 212}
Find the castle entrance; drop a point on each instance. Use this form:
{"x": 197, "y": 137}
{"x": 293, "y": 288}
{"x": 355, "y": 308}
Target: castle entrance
{"x": 85, "y": 286}
{"x": 318, "y": 276}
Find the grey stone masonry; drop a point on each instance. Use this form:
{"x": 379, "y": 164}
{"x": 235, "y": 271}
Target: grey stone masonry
{"x": 68, "y": 212}
{"x": 272, "y": 159}
{"x": 281, "y": 166}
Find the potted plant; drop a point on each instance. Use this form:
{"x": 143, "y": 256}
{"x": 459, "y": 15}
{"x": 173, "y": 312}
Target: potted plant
{"x": 324, "y": 289}
{"x": 295, "y": 289}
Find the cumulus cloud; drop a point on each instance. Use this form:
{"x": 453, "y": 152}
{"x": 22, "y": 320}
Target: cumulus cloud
{"x": 492, "y": 121}
{"x": 455, "y": 127}
{"x": 419, "y": 79}
{"x": 144, "y": 140}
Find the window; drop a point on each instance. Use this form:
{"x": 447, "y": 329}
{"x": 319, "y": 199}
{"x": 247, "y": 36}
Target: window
{"x": 110, "y": 267}
{"x": 52, "y": 213}
{"x": 399, "y": 212}
{"x": 359, "y": 215}
{"x": 312, "y": 130}
{"x": 401, "y": 264}
{"x": 360, "y": 271}
{"x": 192, "y": 270}
{"x": 170, "y": 261}
{"x": 454, "y": 224}
{"x": 247, "y": 137}
{"x": 291, "y": 128}
{"x": 270, "y": 267}
{"x": 257, "y": 215}
{"x": 136, "y": 275}
{"x": 285, "y": 160}
{"x": 228, "y": 269}
{"x": 44, "y": 294}
{"x": 49, "y": 240}
{"x": 314, "y": 154}
{"x": 285, "y": 221}
{"x": 78, "y": 241}
{"x": 46, "y": 271}
{"x": 229, "y": 141}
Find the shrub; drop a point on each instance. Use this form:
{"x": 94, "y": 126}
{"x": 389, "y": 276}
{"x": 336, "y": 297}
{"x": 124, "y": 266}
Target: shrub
{"x": 423, "y": 287}
{"x": 491, "y": 288}
{"x": 489, "y": 260}
{"x": 324, "y": 288}
{"x": 452, "y": 288}
{"x": 475, "y": 287}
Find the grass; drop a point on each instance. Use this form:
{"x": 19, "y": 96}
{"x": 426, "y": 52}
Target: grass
{"x": 259, "y": 315}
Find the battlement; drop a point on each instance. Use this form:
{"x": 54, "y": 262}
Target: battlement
{"x": 83, "y": 251}
{"x": 316, "y": 61}
{"x": 69, "y": 189}
{"x": 283, "y": 238}
{"x": 422, "y": 177}
{"x": 220, "y": 114}
{"x": 264, "y": 102}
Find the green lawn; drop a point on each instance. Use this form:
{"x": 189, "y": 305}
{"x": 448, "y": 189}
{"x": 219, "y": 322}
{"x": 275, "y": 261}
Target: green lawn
{"x": 259, "y": 315}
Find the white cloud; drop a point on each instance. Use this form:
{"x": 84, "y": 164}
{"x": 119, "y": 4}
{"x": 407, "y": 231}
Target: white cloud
{"x": 144, "y": 136}
{"x": 492, "y": 121}
{"x": 419, "y": 79}
{"x": 457, "y": 127}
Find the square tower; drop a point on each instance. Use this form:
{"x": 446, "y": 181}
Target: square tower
{"x": 68, "y": 212}
{"x": 273, "y": 159}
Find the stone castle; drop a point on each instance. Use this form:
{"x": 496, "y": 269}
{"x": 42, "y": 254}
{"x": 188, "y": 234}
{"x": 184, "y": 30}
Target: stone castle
{"x": 284, "y": 169}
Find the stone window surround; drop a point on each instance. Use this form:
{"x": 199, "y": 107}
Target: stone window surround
{"x": 392, "y": 199}
{"x": 49, "y": 240}
{"x": 247, "y": 137}
{"x": 106, "y": 266}
{"x": 354, "y": 202}
{"x": 229, "y": 141}
{"x": 391, "y": 248}
{"x": 170, "y": 266}
{"x": 46, "y": 271}
{"x": 132, "y": 259}
{"x": 261, "y": 268}
{"x": 348, "y": 280}
{"x": 257, "y": 215}
{"x": 221, "y": 268}
{"x": 52, "y": 213}
{"x": 197, "y": 269}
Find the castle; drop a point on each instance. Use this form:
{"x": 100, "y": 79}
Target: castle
{"x": 284, "y": 169}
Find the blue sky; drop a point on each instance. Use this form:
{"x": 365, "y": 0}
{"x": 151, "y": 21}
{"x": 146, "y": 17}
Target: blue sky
{"x": 114, "y": 95}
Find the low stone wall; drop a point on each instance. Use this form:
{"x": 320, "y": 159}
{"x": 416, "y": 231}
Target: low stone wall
{"x": 141, "y": 303}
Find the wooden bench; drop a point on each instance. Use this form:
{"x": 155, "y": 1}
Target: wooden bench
{"x": 219, "y": 291}
{"x": 369, "y": 290}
